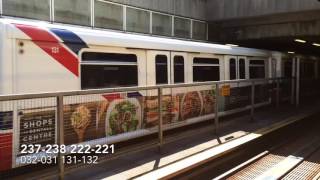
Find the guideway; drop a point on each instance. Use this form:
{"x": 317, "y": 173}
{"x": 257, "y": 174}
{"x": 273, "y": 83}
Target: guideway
{"x": 272, "y": 162}
{"x": 284, "y": 159}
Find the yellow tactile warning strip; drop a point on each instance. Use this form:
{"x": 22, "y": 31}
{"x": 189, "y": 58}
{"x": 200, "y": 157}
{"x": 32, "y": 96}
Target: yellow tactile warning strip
{"x": 258, "y": 168}
{"x": 308, "y": 169}
{"x": 281, "y": 168}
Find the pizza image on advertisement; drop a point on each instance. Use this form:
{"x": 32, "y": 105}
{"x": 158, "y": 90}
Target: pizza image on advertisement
{"x": 191, "y": 105}
{"x": 123, "y": 115}
{"x": 151, "y": 111}
{"x": 170, "y": 109}
{"x": 80, "y": 120}
{"x": 208, "y": 98}
{"x": 101, "y": 113}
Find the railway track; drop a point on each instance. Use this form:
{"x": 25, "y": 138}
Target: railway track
{"x": 295, "y": 154}
{"x": 294, "y": 160}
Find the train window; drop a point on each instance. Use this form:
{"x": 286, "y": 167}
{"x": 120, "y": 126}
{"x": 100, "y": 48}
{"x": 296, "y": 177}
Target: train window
{"x": 178, "y": 62}
{"x": 199, "y": 30}
{"x": 206, "y": 61}
{"x": 138, "y": 20}
{"x": 287, "y": 69}
{"x": 34, "y": 9}
{"x": 107, "y": 15}
{"x": 182, "y": 27}
{"x": 110, "y": 57}
{"x": 161, "y": 24}
{"x": 257, "y": 62}
{"x": 105, "y": 70}
{"x": 307, "y": 70}
{"x": 257, "y": 69}
{"x": 161, "y": 69}
{"x": 203, "y": 70}
{"x": 242, "y": 68}
{"x": 73, "y": 12}
{"x": 232, "y": 69}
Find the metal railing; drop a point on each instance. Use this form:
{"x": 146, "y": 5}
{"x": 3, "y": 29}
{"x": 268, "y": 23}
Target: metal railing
{"x": 64, "y": 109}
{"x": 126, "y": 89}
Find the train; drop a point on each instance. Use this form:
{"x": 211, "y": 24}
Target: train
{"x": 38, "y": 57}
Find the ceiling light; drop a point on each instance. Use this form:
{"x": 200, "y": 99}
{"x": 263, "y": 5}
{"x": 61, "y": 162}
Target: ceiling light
{"x": 300, "y": 41}
{"x": 232, "y": 45}
{"x": 291, "y": 52}
{"x": 316, "y": 44}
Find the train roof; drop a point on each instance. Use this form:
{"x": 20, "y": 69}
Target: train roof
{"x": 103, "y": 37}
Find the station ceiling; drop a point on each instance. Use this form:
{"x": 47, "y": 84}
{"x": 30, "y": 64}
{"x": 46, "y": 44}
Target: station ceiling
{"x": 272, "y": 35}
{"x": 284, "y": 44}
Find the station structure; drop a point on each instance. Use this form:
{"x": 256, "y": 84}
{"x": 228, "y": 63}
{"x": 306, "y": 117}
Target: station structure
{"x": 154, "y": 89}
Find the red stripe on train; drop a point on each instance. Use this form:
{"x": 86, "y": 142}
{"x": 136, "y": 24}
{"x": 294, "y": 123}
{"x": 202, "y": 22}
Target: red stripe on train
{"x": 111, "y": 97}
{"x": 5, "y": 151}
{"x": 51, "y": 45}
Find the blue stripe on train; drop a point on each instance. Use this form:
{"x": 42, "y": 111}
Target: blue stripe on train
{"x": 70, "y": 39}
{"x": 6, "y": 120}
{"x": 134, "y": 94}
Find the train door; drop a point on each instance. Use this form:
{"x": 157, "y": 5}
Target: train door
{"x": 164, "y": 67}
{"x": 242, "y": 73}
{"x": 287, "y": 67}
{"x": 237, "y": 68}
{"x": 158, "y": 68}
{"x": 179, "y": 68}
{"x": 230, "y": 73}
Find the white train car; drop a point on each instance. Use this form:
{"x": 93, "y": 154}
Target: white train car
{"x": 43, "y": 57}
{"x": 40, "y": 57}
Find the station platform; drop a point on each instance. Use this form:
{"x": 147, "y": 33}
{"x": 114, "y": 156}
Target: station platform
{"x": 184, "y": 149}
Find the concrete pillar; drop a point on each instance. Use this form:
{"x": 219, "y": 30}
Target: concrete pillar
{"x": 293, "y": 75}
{"x": 316, "y": 70}
{"x": 298, "y": 82}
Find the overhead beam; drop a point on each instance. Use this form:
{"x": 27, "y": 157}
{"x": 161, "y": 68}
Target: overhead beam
{"x": 238, "y": 9}
{"x": 281, "y": 25}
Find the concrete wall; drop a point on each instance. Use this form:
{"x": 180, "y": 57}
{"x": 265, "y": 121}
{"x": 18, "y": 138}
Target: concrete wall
{"x": 244, "y": 19}
{"x": 291, "y": 29}
{"x": 233, "y": 9}
{"x": 189, "y": 8}
{"x": 279, "y": 25}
